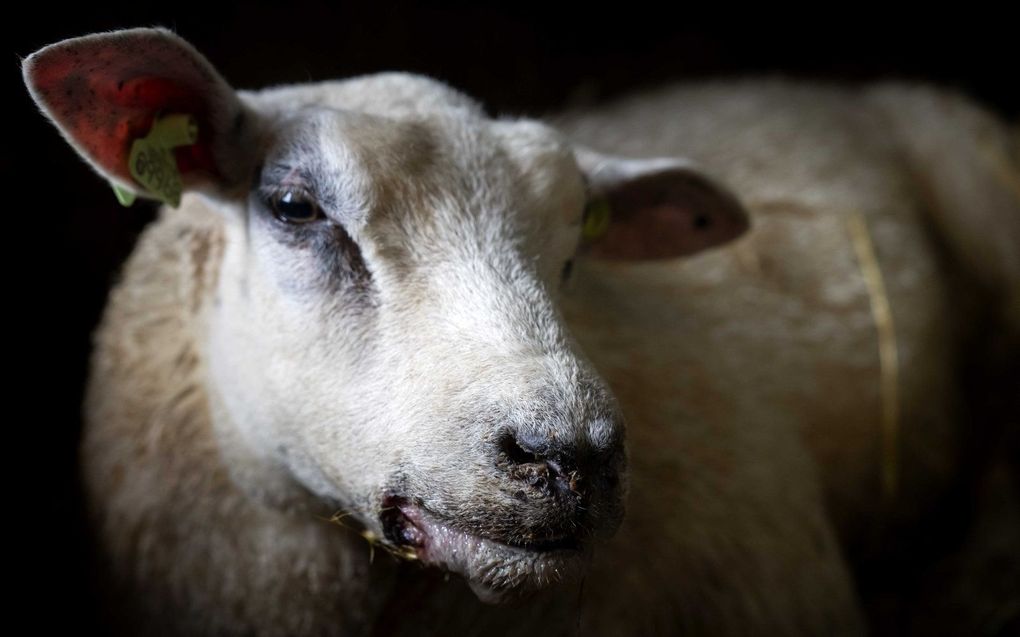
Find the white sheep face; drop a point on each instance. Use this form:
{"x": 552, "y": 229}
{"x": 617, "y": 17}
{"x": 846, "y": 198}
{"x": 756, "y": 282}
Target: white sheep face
{"x": 403, "y": 348}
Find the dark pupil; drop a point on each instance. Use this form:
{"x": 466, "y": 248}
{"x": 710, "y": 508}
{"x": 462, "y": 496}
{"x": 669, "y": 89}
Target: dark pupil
{"x": 292, "y": 207}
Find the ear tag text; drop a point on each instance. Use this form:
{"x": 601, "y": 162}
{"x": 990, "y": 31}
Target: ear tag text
{"x": 596, "y": 219}
{"x": 152, "y": 161}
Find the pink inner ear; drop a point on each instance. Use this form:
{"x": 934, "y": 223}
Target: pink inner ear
{"x": 667, "y": 215}
{"x": 103, "y": 107}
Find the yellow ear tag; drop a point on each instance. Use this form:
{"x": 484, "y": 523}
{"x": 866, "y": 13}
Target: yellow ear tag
{"x": 124, "y": 196}
{"x": 596, "y": 219}
{"x": 152, "y": 162}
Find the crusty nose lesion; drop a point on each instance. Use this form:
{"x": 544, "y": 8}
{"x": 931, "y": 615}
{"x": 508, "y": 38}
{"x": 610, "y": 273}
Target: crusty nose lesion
{"x": 556, "y": 467}
{"x": 525, "y": 460}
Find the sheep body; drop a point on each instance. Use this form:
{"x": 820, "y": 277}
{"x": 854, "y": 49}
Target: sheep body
{"x": 749, "y": 378}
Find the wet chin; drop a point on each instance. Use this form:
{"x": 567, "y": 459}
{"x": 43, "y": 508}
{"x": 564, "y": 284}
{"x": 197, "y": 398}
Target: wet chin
{"x": 497, "y": 572}
{"x": 500, "y": 574}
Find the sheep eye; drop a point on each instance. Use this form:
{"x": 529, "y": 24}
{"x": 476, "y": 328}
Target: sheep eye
{"x": 294, "y": 207}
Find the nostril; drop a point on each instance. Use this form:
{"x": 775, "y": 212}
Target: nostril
{"x": 514, "y": 452}
{"x": 530, "y": 461}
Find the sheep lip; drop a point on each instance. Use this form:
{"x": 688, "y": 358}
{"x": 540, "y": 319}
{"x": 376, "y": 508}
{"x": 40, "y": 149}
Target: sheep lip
{"x": 408, "y": 525}
{"x": 495, "y": 570}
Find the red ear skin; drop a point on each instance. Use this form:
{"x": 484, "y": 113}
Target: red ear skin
{"x": 105, "y": 115}
{"x": 664, "y": 216}
{"x": 150, "y": 96}
{"x": 102, "y": 108}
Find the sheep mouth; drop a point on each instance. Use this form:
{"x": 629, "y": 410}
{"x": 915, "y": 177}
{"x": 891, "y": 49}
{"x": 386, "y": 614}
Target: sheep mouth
{"x": 497, "y": 570}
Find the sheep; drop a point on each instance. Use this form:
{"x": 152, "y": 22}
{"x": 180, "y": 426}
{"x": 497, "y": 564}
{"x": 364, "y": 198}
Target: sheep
{"x": 374, "y": 320}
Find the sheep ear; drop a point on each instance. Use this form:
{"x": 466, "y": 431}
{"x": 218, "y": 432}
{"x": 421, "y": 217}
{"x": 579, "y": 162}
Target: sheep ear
{"x": 107, "y": 90}
{"x": 655, "y": 208}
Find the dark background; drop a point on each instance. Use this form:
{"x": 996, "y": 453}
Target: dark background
{"x": 66, "y": 235}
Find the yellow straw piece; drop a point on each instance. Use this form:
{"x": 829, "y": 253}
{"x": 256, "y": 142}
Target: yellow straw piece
{"x": 887, "y": 351}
